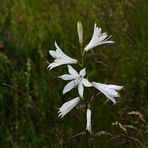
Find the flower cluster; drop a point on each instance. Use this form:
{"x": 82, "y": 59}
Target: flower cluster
{"x": 78, "y": 79}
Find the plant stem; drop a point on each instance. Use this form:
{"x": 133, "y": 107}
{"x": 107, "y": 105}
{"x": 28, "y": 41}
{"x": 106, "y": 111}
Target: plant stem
{"x": 86, "y": 140}
{"x": 82, "y": 55}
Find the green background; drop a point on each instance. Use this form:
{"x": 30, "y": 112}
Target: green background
{"x": 30, "y": 94}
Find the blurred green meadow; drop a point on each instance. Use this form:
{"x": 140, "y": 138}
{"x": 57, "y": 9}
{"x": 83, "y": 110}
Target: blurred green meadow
{"x": 30, "y": 94}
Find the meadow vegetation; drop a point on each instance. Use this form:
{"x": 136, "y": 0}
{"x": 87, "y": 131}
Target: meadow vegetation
{"x": 30, "y": 94}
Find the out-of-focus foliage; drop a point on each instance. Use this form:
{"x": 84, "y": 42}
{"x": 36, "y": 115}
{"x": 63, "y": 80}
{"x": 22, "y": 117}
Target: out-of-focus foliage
{"x": 30, "y": 94}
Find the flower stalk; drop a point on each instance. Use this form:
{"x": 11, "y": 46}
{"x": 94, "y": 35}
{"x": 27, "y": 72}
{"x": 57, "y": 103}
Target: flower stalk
{"x": 77, "y": 79}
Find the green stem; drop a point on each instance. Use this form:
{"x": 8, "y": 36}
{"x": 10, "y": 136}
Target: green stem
{"x": 86, "y": 140}
{"x": 82, "y": 56}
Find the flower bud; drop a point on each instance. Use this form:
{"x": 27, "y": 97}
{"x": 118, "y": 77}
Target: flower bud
{"x": 80, "y": 32}
{"x": 88, "y": 116}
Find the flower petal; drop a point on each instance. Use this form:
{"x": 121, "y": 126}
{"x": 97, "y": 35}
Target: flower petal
{"x": 57, "y": 62}
{"x": 67, "y": 77}
{"x": 72, "y": 71}
{"x": 53, "y": 65}
{"x": 70, "y": 86}
{"x": 98, "y": 38}
{"x": 95, "y": 36}
{"x": 80, "y": 89}
{"x": 83, "y": 72}
{"x": 68, "y": 106}
{"x": 105, "y": 88}
{"x": 110, "y": 98}
{"x": 110, "y": 91}
{"x": 86, "y": 82}
{"x": 105, "y": 42}
{"x": 116, "y": 87}
{"x": 62, "y": 55}
{"x": 52, "y": 53}
{"x": 59, "y": 51}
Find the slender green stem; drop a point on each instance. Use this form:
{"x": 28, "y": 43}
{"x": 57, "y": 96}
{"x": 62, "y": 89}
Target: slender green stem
{"x": 82, "y": 56}
{"x": 86, "y": 139}
{"x": 82, "y": 65}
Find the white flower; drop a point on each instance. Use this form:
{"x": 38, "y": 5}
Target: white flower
{"x": 67, "y": 107}
{"x": 98, "y": 38}
{"x": 110, "y": 91}
{"x": 60, "y": 58}
{"x": 77, "y": 80}
{"x": 88, "y": 116}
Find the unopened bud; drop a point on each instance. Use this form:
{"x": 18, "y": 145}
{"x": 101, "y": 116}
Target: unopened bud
{"x": 80, "y": 32}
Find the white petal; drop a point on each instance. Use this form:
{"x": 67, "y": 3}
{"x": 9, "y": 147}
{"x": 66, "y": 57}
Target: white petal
{"x": 53, "y": 65}
{"x": 72, "y": 71}
{"x": 86, "y": 82}
{"x": 98, "y": 38}
{"x": 60, "y": 58}
{"x": 58, "y": 62}
{"x": 116, "y": 87}
{"x": 83, "y": 72}
{"x": 59, "y": 51}
{"x": 70, "y": 86}
{"x": 102, "y": 37}
{"x": 108, "y": 90}
{"x": 80, "y": 89}
{"x": 110, "y": 98}
{"x": 61, "y": 54}
{"x": 105, "y": 88}
{"x": 67, "y": 107}
{"x": 105, "y": 42}
{"x": 52, "y": 53}
{"x": 96, "y": 34}
{"x": 67, "y": 77}
{"x": 56, "y": 45}
{"x": 88, "y": 116}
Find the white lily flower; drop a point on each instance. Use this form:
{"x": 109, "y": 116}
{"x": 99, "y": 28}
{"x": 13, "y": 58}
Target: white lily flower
{"x": 110, "y": 91}
{"x": 60, "y": 58}
{"x": 67, "y": 107}
{"x": 77, "y": 80}
{"x": 88, "y": 116}
{"x": 98, "y": 38}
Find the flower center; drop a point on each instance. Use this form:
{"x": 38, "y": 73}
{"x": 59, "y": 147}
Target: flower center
{"x": 78, "y": 80}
